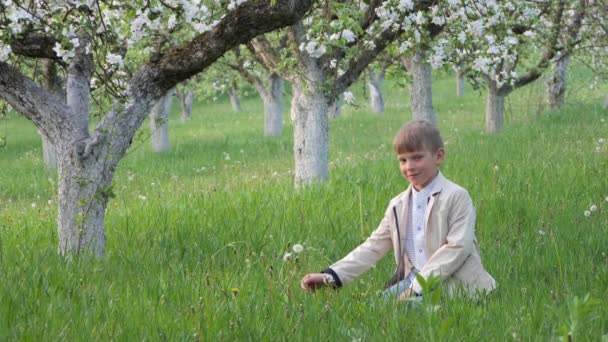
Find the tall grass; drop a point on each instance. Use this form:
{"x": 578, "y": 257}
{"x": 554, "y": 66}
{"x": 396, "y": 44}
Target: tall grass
{"x": 196, "y": 236}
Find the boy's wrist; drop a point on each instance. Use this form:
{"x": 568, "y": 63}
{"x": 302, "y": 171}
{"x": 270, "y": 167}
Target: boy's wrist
{"x": 331, "y": 274}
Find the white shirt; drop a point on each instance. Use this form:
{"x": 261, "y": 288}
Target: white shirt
{"x": 414, "y": 235}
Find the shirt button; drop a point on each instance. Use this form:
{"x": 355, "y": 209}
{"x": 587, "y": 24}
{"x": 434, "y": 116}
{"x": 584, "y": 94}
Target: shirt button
{"x": 420, "y": 251}
{"x": 419, "y": 228}
{"x": 419, "y": 207}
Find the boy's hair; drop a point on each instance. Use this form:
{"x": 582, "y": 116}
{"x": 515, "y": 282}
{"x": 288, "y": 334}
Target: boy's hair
{"x": 416, "y": 135}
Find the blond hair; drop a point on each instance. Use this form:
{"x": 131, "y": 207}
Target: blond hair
{"x": 416, "y": 135}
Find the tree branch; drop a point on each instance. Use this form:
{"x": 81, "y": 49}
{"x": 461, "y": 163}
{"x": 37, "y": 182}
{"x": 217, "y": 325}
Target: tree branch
{"x": 36, "y": 45}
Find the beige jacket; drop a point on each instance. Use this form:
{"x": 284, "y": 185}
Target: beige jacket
{"x": 450, "y": 244}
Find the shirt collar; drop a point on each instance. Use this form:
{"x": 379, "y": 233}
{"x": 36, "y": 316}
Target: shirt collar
{"x": 426, "y": 192}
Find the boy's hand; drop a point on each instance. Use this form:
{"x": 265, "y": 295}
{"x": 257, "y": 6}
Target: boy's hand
{"x": 406, "y": 294}
{"x": 313, "y": 281}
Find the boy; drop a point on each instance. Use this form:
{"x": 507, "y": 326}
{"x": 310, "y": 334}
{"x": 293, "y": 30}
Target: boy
{"x": 430, "y": 226}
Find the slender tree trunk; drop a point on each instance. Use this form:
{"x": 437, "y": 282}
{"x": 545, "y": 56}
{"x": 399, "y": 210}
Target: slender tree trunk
{"x": 421, "y": 90}
{"x": 495, "y": 108}
{"x": 186, "y": 102}
{"x": 311, "y": 134}
{"x": 460, "y": 83}
{"x": 273, "y": 107}
{"x": 556, "y": 84}
{"x": 234, "y": 99}
{"x": 335, "y": 109}
{"x": 159, "y": 123}
{"x": 376, "y": 100}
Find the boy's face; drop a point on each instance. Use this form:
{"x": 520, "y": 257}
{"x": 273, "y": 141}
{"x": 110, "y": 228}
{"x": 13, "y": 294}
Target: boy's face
{"x": 420, "y": 167}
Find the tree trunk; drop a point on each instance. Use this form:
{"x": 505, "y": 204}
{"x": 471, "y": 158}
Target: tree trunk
{"x": 53, "y": 83}
{"x": 556, "y": 84}
{"x": 83, "y": 191}
{"x": 460, "y": 83}
{"x": 273, "y": 107}
{"x": 495, "y": 108}
{"x": 234, "y": 99}
{"x": 159, "y": 123}
{"x": 311, "y": 134}
{"x": 49, "y": 153}
{"x": 186, "y": 102}
{"x": 335, "y": 109}
{"x": 421, "y": 90}
{"x": 374, "y": 85}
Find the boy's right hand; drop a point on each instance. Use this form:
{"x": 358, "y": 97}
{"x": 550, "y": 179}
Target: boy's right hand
{"x": 313, "y": 281}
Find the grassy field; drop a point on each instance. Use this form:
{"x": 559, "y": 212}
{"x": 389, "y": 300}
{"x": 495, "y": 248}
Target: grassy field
{"x": 196, "y": 236}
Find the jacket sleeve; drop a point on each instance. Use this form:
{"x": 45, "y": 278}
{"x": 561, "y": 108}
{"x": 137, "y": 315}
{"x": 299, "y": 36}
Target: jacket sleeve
{"x": 365, "y": 255}
{"x": 459, "y": 241}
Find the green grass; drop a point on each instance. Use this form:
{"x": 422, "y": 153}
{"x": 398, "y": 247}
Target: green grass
{"x": 189, "y": 226}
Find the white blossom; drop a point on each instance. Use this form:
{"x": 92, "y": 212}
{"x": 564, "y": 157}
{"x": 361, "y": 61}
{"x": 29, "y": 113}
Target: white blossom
{"x": 587, "y": 213}
{"x": 593, "y": 207}
{"x": 66, "y": 55}
{"x": 348, "y": 35}
{"x": 115, "y": 59}
{"x": 5, "y": 51}
{"x": 315, "y": 50}
{"x": 349, "y": 97}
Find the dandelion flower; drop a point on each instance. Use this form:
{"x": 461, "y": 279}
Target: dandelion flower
{"x": 593, "y": 208}
{"x": 235, "y": 291}
{"x": 495, "y": 167}
{"x": 587, "y": 213}
{"x": 297, "y": 248}
{"x": 287, "y": 257}
{"x": 606, "y": 199}
{"x": 541, "y": 232}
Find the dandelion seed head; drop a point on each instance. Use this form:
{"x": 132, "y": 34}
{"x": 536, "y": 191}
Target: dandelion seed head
{"x": 587, "y": 213}
{"x": 593, "y": 207}
{"x": 287, "y": 257}
{"x": 297, "y": 248}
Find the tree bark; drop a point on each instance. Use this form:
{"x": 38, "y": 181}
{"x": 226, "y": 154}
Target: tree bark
{"x": 460, "y": 82}
{"x": 556, "y": 84}
{"x": 49, "y": 153}
{"x": 159, "y": 123}
{"x": 234, "y": 99}
{"x": 311, "y": 134}
{"x": 495, "y": 108}
{"x": 374, "y": 84}
{"x": 53, "y": 84}
{"x": 273, "y": 107}
{"x": 421, "y": 89}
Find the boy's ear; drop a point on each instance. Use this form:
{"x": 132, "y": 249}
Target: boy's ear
{"x": 440, "y": 154}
